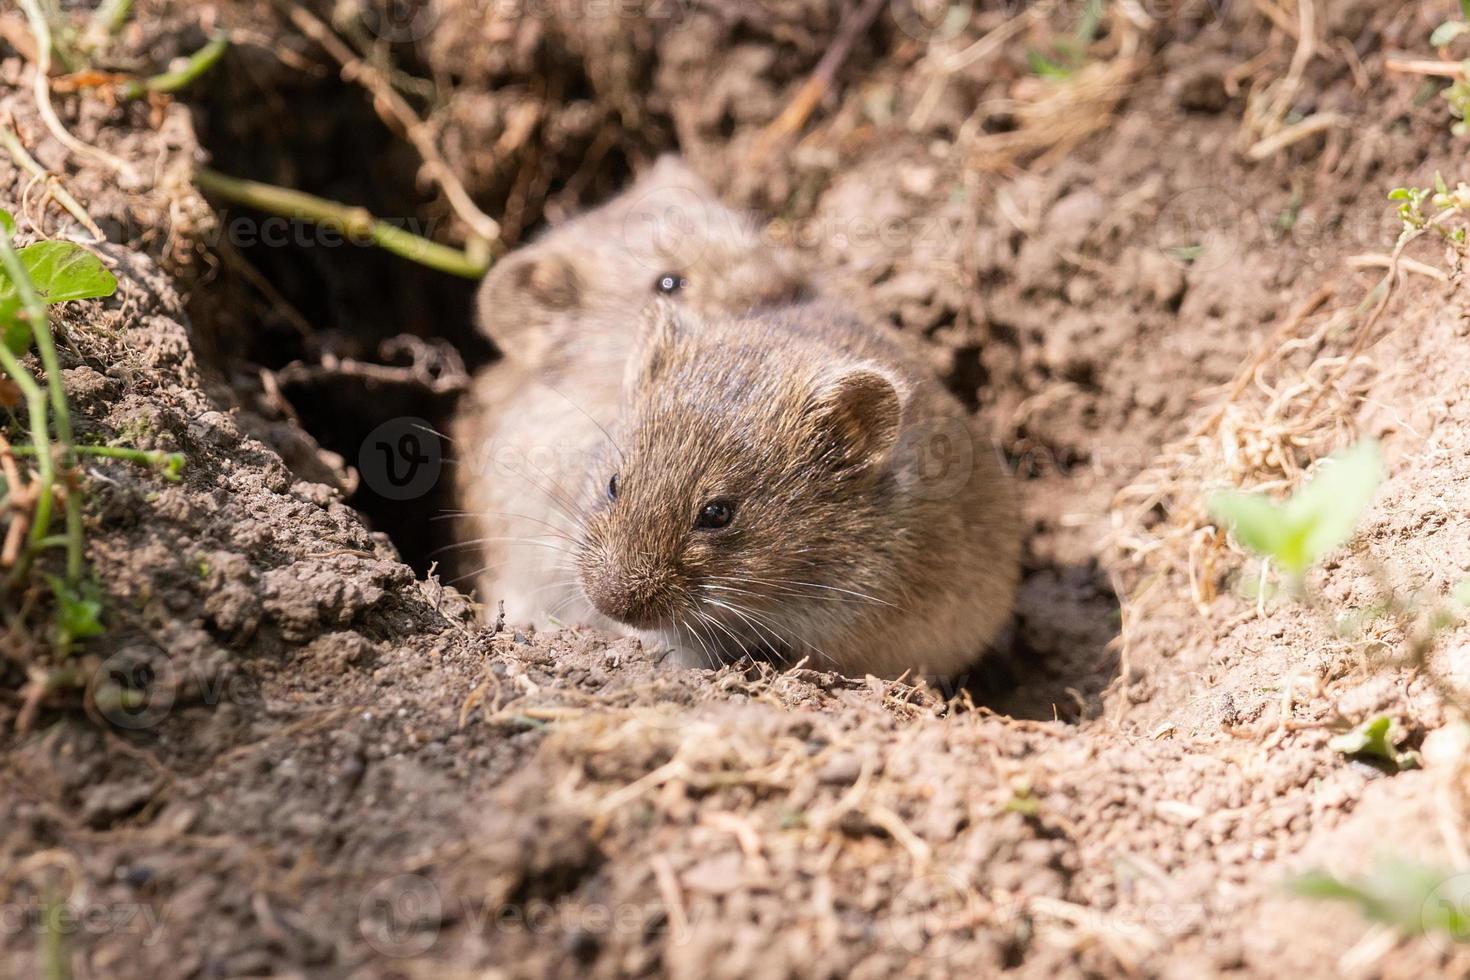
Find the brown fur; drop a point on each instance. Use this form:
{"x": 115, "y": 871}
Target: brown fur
{"x": 847, "y": 546}
{"x": 534, "y": 302}
{"x": 563, "y": 311}
{"x": 872, "y": 530}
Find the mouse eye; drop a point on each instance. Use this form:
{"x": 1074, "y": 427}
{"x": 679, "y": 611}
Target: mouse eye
{"x": 669, "y": 283}
{"x": 715, "y": 515}
{"x": 612, "y": 487}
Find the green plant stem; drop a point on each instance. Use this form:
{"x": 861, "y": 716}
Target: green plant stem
{"x": 147, "y": 457}
{"x": 40, "y": 443}
{"x": 199, "y": 63}
{"x": 353, "y": 221}
{"x": 107, "y": 21}
{"x": 59, "y": 33}
{"x": 46, "y": 346}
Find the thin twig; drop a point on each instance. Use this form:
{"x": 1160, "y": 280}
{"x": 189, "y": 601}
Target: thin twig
{"x": 795, "y": 115}
{"x": 1295, "y": 133}
{"x": 198, "y": 64}
{"x": 989, "y": 43}
{"x": 1384, "y": 290}
{"x": 396, "y": 112}
{"x": 354, "y": 222}
{"x": 1408, "y": 265}
{"x": 1427, "y": 66}
{"x": 42, "y": 82}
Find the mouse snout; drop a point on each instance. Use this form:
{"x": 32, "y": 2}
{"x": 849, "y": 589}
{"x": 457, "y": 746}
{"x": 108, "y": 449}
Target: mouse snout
{"x": 633, "y": 593}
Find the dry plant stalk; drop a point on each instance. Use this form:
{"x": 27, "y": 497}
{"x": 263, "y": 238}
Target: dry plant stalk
{"x": 1291, "y": 404}
{"x": 397, "y": 113}
{"x": 1055, "y": 116}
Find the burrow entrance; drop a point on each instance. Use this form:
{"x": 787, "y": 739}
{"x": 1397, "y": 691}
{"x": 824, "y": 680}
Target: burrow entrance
{"x": 346, "y": 339}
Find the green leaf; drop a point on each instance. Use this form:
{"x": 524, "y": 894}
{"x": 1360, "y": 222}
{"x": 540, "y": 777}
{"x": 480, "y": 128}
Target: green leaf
{"x": 1045, "y": 67}
{"x": 78, "y": 613}
{"x": 1326, "y": 511}
{"x": 1319, "y": 517}
{"x": 1256, "y": 522}
{"x": 1465, "y": 9}
{"x": 60, "y": 272}
{"x": 7, "y": 223}
{"x": 63, "y": 272}
{"x": 1372, "y": 740}
{"x": 1412, "y": 898}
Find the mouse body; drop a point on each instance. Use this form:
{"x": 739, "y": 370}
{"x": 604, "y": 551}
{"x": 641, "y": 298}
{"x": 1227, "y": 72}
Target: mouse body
{"x": 728, "y": 470}
{"x": 562, "y": 310}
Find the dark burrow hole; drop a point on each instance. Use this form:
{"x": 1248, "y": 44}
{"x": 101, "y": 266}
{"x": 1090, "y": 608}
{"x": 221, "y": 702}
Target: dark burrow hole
{"x": 325, "y": 315}
{"x": 291, "y": 300}
{"x": 1055, "y": 659}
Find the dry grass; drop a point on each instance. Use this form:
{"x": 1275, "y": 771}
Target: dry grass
{"x": 1054, "y": 115}
{"x": 1294, "y": 402}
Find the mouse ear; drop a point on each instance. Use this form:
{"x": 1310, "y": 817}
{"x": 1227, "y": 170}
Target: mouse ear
{"x": 857, "y": 412}
{"x": 518, "y": 293}
{"x": 550, "y": 280}
{"x": 657, "y": 331}
{"x": 670, "y": 170}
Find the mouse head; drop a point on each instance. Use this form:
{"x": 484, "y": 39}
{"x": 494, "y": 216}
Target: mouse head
{"x": 743, "y": 509}
{"x": 668, "y": 236}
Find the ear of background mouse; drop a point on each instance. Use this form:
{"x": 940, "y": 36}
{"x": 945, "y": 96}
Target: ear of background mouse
{"x": 657, "y": 332}
{"x": 671, "y": 171}
{"x": 856, "y": 412}
{"x": 550, "y": 280}
{"x": 546, "y": 282}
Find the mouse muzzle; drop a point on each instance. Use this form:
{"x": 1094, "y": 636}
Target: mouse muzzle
{"x": 636, "y": 595}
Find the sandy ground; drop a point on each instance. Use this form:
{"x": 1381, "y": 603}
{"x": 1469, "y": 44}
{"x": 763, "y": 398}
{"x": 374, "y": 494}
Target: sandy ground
{"x": 333, "y": 770}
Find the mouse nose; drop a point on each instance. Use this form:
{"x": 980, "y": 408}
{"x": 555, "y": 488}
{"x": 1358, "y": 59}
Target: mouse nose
{"x": 635, "y": 597}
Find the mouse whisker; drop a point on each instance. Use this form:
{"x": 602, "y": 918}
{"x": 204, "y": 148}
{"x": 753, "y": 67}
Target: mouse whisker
{"x": 710, "y": 659}
{"x": 570, "y": 401}
{"x": 762, "y": 627}
{"x": 565, "y": 501}
{"x": 450, "y": 515}
{"x": 789, "y": 587}
{"x": 520, "y": 541}
{"x": 740, "y": 644}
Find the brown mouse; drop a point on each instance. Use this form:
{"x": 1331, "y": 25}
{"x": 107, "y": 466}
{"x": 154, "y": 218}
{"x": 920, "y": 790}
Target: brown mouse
{"x": 563, "y": 311}
{"x": 667, "y": 235}
{"x": 796, "y": 484}
{"x": 723, "y": 480}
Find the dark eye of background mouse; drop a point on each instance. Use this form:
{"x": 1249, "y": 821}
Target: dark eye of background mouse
{"x": 612, "y": 487}
{"x": 670, "y": 283}
{"x": 715, "y": 515}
